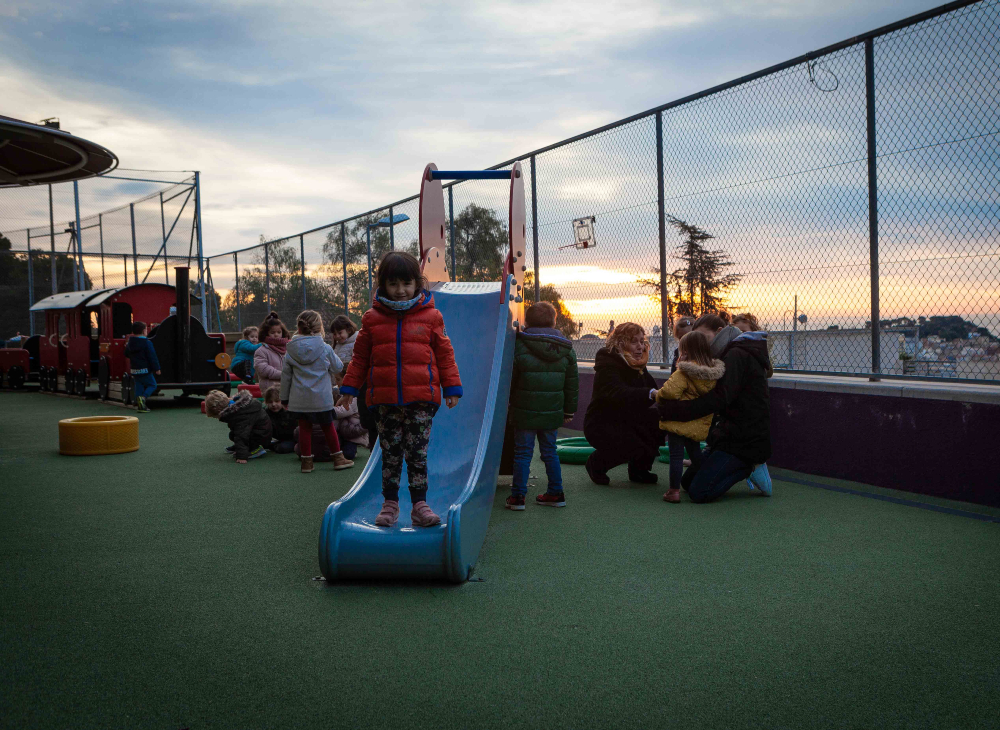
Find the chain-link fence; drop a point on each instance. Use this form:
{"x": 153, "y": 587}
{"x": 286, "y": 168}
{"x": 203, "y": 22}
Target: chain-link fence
{"x": 103, "y": 232}
{"x": 847, "y": 198}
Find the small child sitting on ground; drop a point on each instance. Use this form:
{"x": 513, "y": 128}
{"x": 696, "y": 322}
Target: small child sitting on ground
{"x": 244, "y": 351}
{"x": 249, "y": 426}
{"x": 282, "y": 422}
{"x": 543, "y": 397}
{"x": 696, "y": 374}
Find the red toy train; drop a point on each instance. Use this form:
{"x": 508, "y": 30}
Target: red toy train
{"x": 85, "y": 334}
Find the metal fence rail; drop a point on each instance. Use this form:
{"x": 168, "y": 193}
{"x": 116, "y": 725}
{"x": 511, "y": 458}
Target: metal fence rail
{"x": 848, "y": 198}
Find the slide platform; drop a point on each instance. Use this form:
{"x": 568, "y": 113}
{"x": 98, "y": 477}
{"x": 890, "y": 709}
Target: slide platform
{"x": 462, "y": 462}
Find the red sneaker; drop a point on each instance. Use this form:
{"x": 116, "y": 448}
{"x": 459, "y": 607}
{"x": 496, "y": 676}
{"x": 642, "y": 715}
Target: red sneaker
{"x": 672, "y": 495}
{"x": 552, "y": 500}
{"x": 515, "y": 502}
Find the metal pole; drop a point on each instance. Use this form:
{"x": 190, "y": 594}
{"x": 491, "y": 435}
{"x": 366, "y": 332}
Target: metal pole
{"x": 236, "y": 268}
{"x": 100, "y": 231}
{"x": 795, "y": 328}
{"x": 451, "y": 231}
{"x": 534, "y": 225}
{"x": 873, "y": 206}
{"x": 302, "y": 257}
{"x": 267, "y": 276}
{"x": 79, "y": 237}
{"x": 392, "y": 235}
{"x": 343, "y": 260}
{"x": 125, "y": 266}
{"x": 31, "y": 289}
{"x": 163, "y": 227}
{"x": 662, "y": 216}
{"x": 52, "y": 240}
{"x": 201, "y": 253}
{"x": 135, "y": 256}
{"x": 368, "y": 237}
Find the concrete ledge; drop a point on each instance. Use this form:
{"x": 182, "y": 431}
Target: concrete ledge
{"x": 960, "y": 392}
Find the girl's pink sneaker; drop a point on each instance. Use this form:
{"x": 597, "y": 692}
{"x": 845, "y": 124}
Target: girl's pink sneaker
{"x": 423, "y": 516}
{"x": 390, "y": 512}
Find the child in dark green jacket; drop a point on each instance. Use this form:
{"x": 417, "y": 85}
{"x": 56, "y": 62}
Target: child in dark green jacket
{"x": 543, "y": 397}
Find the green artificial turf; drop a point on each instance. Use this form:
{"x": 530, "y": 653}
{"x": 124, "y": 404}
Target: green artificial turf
{"x": 171, "y": 588}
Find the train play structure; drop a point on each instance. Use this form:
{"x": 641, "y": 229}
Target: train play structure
{"x": 467, "y": 442}
{"x": 85, "y": 335}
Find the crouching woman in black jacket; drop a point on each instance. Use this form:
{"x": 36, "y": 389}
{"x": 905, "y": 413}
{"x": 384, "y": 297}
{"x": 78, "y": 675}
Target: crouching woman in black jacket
{"x": 740, "y": 437}
{"x": 619, "y": 423}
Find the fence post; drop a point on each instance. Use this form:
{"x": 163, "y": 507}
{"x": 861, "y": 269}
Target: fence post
{"x": 451, "y": 231}
{"x": 343, "y": 260}
{"x": 79, "y": 238}
{"x": 52, "y": 240}
{"x": 125, "y": 266}
{"x": 534, "y": 224}
{"x": 392, "y": 235}
{"x": 31, "y": 289}
{"x": 135, "y": 255}
{"x": 236, "y": 269}
{"x": 163, "y": 227}
{"x": 662, "y": 216}
{"x": 873, "y": 207}
{"x": 100, "y": 232}
{"x": 267, "y": 276}
{"x": 201, "y": 253}
{"x": 302, "y": 257}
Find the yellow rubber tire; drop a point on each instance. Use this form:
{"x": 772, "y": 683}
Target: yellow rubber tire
{"x": 96, "y": 435}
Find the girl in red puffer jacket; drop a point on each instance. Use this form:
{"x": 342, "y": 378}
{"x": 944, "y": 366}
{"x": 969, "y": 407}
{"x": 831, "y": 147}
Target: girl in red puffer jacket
{"x": 405, "y": 362}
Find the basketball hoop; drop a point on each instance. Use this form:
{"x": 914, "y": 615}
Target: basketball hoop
{"x": 583, "y": 234}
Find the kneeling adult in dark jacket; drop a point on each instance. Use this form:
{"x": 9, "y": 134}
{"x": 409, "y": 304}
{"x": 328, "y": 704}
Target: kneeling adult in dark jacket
{"x": 740, "y": 436}
{"x": 619, "y": 423}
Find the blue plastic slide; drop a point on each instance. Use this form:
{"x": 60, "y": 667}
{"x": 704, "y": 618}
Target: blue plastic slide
{"x": 463, "y": 459}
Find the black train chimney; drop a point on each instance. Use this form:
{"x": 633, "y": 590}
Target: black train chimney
{"x": 183, "y": 324}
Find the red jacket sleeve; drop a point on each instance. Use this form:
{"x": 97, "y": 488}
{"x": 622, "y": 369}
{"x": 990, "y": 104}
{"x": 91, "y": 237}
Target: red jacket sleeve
{"x": 357, "y": 370}
{"x": 451, "y": 383}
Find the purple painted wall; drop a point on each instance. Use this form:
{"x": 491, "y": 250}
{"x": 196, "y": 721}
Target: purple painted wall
{"x": 940, "y": 448}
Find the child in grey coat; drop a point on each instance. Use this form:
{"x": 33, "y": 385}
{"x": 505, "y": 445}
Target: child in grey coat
{"x": 307, "y": 387}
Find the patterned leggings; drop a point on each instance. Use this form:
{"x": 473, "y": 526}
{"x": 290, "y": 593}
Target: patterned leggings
{"x": 404, "y": 432}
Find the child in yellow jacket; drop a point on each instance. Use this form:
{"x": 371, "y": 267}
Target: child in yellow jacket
{"x": 696, "y": 374}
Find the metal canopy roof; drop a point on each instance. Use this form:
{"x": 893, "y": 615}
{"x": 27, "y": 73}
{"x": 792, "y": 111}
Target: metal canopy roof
{"x": 68, "y": 300}
{"x": 31, "y": 154}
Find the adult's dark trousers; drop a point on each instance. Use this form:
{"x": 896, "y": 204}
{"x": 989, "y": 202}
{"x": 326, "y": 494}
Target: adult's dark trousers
{"x": 635, "y": 444}
{"x": 715, "y": 476}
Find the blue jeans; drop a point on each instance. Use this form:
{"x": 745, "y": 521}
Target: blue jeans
{"x": 677, "y": 445}
{"x": 524, "y": 447}
{"x": 145, "y": 385}
{"x": 717, "y": 474}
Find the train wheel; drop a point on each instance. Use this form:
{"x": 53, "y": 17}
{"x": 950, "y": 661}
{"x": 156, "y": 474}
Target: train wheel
{"x": 69, "y": 382}
{"x": 43, "y": 379}
{"x": 81, "y": 382}
{"x": 53, "y": 380}
{"x": 103, "y": 379}
{"x": 16, "y": 377}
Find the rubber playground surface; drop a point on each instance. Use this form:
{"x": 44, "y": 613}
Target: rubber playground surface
{"x": 171, "y": 588}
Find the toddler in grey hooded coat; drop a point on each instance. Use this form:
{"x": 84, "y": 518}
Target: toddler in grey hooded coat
{"x": 307, "y": 387}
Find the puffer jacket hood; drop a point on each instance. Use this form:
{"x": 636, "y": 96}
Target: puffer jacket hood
{"x": 545, "y": 343}
{"x": 755, "y": 343}
{"x": 305, "y": 349}
{"x": 701, "y": 372}
{"x": 242, "y": 400}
